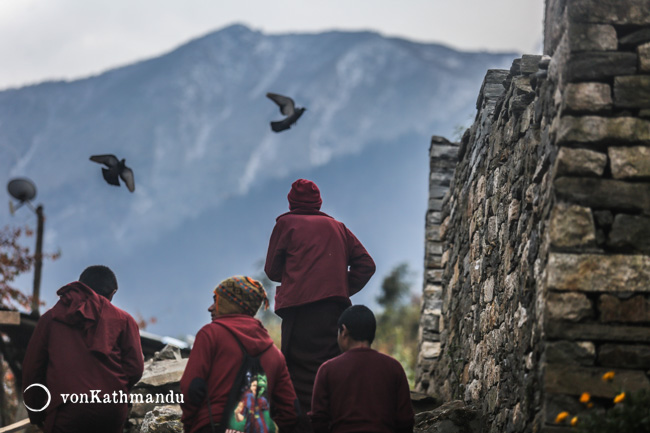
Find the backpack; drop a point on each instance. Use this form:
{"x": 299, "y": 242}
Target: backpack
{"x": 248, "y": 409}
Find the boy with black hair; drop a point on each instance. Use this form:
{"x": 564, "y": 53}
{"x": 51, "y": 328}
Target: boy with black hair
{"x": 101, "y": 279}
{"x": 361, "y": 390}
{"x": 83, "y": 343}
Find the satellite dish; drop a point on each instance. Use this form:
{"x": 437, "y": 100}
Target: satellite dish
{"x": 22, "y": 189}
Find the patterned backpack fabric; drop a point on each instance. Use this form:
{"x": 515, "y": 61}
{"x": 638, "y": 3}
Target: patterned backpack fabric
{"x": 248, "y": 409}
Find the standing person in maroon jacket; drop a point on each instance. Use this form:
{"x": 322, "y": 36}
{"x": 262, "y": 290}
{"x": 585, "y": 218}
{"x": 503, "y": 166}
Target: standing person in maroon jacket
{"x": 83, "y": 343}
{"x": 320, "y": 264}
{"x": 362, "y": 390}
{"x": 216, "y": 358}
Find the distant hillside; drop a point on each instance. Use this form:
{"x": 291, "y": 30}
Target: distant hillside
{"x": 210, "y": 174}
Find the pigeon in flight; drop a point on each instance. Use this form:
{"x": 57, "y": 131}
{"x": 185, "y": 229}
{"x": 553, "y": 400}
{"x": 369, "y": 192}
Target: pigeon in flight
{"x": 115, "y": 168}
{"x": 288, "y": 108}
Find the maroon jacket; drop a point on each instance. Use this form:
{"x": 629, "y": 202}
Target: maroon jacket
{"x": 216, "y": 358}
{"x": 309, "y": 253}
{"x": 376, "y": 400}
{"x": 83, "y": 343}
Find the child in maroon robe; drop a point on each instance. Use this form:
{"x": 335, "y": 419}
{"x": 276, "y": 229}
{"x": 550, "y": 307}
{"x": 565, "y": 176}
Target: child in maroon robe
{"x": 361, "y": 390}
{"x": 216, "y": 358}
{"x": 83, "y": 344}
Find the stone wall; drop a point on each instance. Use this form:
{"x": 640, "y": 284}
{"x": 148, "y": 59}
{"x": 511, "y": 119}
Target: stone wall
{"x": 598, "y": 276}
{"x": 442, "y": 162}
{"x": 493, "y": 224}
{"x": 545, "y": 229}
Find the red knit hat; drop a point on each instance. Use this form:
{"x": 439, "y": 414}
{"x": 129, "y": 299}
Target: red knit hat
{"x": 304, "y": 194}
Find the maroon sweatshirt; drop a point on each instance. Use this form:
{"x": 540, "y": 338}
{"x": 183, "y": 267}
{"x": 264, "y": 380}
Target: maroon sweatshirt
{"x": 216, "y": 358}
{"x": 309, "y": 253}
{"x": 361, "y": 390}
{"x": 81, "y": 344}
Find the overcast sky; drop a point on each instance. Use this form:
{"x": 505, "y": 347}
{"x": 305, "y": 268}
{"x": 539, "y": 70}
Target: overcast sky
{"x": 52, "y": 39}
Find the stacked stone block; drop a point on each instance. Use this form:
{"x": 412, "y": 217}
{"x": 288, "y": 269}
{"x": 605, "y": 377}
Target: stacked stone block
{"x": 597, "y": 315}
{"x": 442, "y": 162}
{"x": 162, "y": 375}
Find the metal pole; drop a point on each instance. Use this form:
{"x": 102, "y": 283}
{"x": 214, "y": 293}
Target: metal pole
{"x": 38, "y": 261}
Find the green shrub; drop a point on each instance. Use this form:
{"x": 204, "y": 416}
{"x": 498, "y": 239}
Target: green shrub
{"x": 632, "y": 415}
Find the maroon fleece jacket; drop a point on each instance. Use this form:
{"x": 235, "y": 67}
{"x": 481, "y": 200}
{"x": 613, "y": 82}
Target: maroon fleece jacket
{"x": 315, "y": 257}
{"x": 83, "y": 343}
{"x": 361, "y": 390}
{"x": 216, "y": 358}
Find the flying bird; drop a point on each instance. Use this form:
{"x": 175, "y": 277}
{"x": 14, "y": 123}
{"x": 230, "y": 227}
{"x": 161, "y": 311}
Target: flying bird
{"x": 116, "y": 168}
{"x": 288, "y": 108}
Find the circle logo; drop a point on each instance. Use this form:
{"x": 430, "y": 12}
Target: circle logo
{"x": 49, "y": 397}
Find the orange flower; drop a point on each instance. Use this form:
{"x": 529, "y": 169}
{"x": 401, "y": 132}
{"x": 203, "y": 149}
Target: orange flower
{"x": 619, "y": 398}
{"x": 561, "y": 417}
{"x": 585, "y": 397}
{"x": 590, "y": 405}
{"x": 574, "y": 420}
{"x": 608, "y": 376}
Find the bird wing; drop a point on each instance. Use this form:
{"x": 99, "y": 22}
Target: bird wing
{"x": 127, "y": 176}
{"x": 110, "y": 176}
{"x": 108, "y": 160}
{"x": 280, "y": 125}
{"x": 287, "y": 121}
{"x": 286, "y": 104}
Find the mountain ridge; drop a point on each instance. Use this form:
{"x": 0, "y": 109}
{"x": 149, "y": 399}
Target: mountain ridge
{"x": 194, "y": 126}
